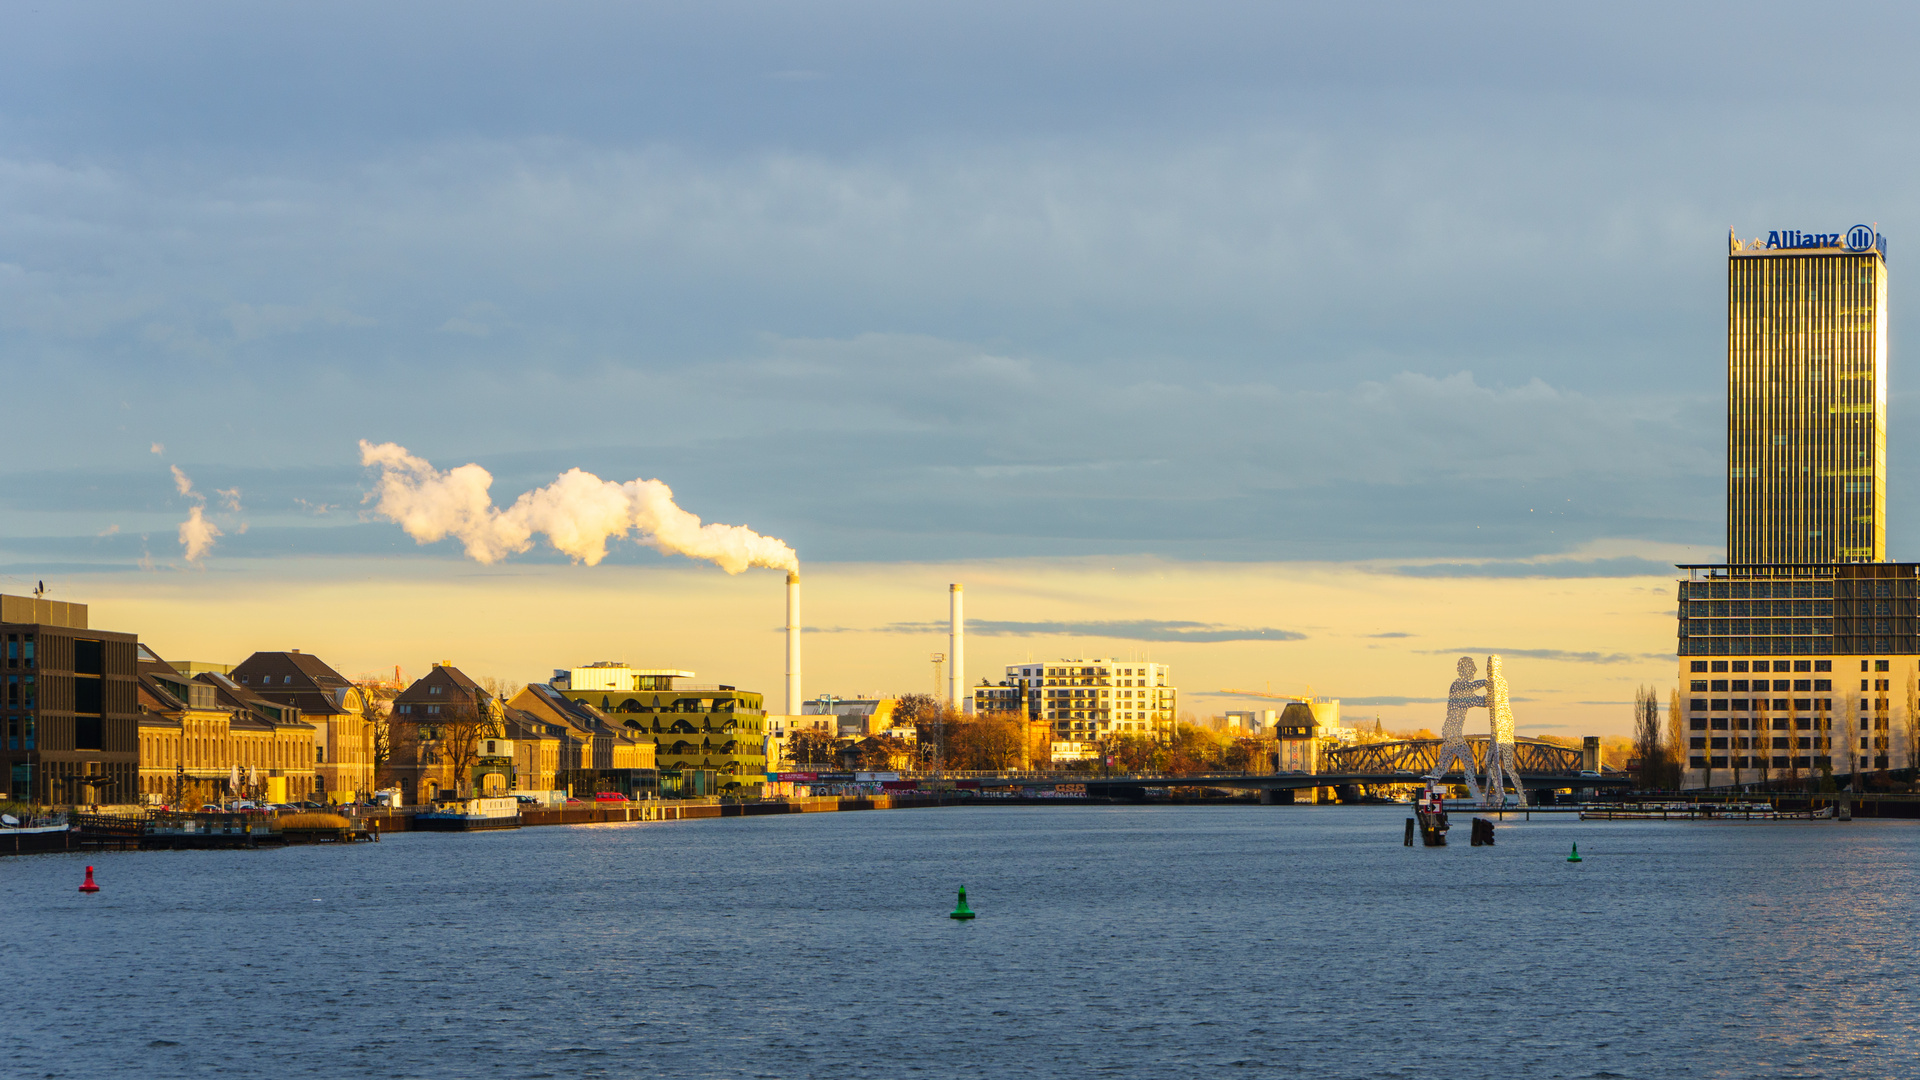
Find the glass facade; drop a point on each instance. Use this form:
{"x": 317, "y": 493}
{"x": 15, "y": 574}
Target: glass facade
{"x": 1844, "y": 609}
{"x": 1806, "y": 405}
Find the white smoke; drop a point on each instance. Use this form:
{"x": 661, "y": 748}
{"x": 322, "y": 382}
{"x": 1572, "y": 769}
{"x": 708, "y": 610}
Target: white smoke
{"x": 577, "y": 513}
{"x": 196, "y": 533}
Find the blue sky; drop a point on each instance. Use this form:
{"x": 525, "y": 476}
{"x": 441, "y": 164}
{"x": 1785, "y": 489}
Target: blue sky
{"x": 1226, "y": 282}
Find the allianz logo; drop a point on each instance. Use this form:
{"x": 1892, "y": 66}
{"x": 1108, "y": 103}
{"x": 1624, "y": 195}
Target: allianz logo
{"x": 1858, "y": 238}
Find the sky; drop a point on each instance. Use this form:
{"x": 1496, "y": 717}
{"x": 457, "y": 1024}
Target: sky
{"x": 1300, "y": 345}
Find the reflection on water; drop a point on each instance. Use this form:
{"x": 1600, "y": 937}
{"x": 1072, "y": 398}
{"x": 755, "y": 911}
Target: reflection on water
{"x": 1163, "y": 941}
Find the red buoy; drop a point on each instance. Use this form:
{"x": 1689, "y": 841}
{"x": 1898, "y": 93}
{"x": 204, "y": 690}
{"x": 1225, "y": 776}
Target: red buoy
{"x": 88, "y": 885}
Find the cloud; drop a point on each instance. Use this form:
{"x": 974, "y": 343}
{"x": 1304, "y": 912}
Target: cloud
{"x": 1388, "y": 700}
{"x": 1541, "y": 568}
{"x": 108, "y": 531}
{"x": 1393, "y": 634}
{"x": 578, "y": 513}
{"x": 180, "y": 482}
{"x": 229, "y": 497}
{"x": 197, "y": 534}
{"x": 157, "y": 448}
{"x": 1117, "y": 629}
{"x": 1550, "y": 654}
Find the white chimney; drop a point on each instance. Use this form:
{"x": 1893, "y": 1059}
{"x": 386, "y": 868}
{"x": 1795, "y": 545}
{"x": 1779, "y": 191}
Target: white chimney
{"x": 793, "y": 643}
{"x": 957, "y": 652}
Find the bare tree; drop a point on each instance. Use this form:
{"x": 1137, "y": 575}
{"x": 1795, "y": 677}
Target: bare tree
{"x": 1910, "y": 721}
{"x": 460, "y": 730}
{"x": 1646, "y": 738}
{"x": 1676, "y": 741}
{"x": 499, "y": 689}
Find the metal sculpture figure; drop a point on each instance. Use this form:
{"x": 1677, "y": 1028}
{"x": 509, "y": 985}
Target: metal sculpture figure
{"x": 1501, "y": 765}
{"x": 1460, "y": 698}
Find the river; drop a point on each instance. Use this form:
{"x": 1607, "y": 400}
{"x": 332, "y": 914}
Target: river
{"x": 1130, "y": 941}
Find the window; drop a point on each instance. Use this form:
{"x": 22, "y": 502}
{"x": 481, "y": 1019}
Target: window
{"x": 1719, "y": 665}
{"x": 1823, "y": 665}
{"x": 1880, "y": 665}
{"x": 1699, "y": 665}
{"x": 1719, "y": 686}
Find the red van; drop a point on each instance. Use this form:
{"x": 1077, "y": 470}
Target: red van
{"x": 611, "y": 796}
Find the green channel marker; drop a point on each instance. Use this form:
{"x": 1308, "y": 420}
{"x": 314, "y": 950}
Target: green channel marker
{"x": 1574, "y": 856}
{"x": 962, "y": 912}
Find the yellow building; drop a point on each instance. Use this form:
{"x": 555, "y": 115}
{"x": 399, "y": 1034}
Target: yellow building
{"x": 199, "y": 735}
{"x": 343, "y": 744}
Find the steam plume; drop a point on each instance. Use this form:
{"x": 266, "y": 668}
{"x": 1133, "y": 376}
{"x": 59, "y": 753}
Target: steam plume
{"x": 196, "y": 533}
{"x": 578, "y": 513}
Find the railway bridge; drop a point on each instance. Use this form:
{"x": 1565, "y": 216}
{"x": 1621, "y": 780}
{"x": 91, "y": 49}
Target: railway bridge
{"x": 1544, "y": 768}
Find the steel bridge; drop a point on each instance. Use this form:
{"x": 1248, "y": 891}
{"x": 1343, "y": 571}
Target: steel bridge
{"x": 1417, "y": 756}
{"x": 1544, "y": 767}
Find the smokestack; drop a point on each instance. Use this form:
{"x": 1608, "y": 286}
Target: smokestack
{"x": 957, "y": 651}
{"x": 793, "y": 643}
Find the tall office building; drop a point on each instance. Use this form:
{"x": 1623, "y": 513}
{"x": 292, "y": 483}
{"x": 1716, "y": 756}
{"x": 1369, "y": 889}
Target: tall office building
{"x": 1807, "y": 398}
{"x": 1798, "y": 652}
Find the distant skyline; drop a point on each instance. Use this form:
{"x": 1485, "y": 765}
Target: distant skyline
{"x": 1428, "y": 301}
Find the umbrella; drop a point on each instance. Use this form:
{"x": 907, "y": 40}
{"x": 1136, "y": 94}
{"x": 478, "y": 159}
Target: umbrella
{"x": 233, "y": 780}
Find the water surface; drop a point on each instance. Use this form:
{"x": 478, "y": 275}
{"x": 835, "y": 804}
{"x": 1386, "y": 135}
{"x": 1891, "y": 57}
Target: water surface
{"x": 1150, "y": 941}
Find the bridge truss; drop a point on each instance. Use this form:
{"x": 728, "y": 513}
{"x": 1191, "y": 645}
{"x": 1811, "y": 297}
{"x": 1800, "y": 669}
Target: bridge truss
{"x": 1417, "y": 757}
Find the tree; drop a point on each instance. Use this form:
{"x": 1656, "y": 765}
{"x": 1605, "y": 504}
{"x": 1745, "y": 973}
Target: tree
{"x": 1677, "y": 743}
{"x": 376, "y": 709}
{"x": 1646, "y": 738}
{"x": 459, "y": 730}
{"x": 1910, "y": 720}
{"x": 812, "y": 748}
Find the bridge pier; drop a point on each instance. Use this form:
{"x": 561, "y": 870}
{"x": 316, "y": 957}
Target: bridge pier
{"x": 1270, "y": 797}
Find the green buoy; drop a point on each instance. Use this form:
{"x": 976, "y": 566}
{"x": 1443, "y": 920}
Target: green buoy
{"x": 1573, "y": 856}
{"x": 962, "y": 911}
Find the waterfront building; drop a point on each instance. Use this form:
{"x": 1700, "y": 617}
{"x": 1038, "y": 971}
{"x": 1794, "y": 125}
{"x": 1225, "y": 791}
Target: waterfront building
{"x": 694, "y": 727}
{"x": 1088, "y": 701}
{"x": 1797, "y": 655}
{"x": 594, "y": 752}
{"x": 343, "y": 736}
{"x": 447, "y": 738}
{"x": 69, "y": 705}
{"x": 198, "y": 734}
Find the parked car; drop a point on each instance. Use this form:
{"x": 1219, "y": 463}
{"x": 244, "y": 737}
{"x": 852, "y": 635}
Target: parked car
{"x": 610, "y": 796}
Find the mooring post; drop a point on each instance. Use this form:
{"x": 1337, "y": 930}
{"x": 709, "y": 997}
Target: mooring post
{"x": 1409, "y": 842}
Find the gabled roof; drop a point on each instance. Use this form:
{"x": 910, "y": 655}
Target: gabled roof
{"x": 234, "y": 697}
{"x": 294, "y": 678}
{"x": 455, "y": 687}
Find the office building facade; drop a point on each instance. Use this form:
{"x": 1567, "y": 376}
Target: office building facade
{"x": 1797, "y": 656}
{"x": 1807, "y": 398}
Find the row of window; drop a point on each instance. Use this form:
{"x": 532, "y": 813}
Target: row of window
{"x": 1761, "y": 665}
{"x": 1758, "y": 723}
{"x": 1777, "y": 646}
{"x": 1697, "y": 627}
{"x": 1763, "y": 609}
{"x": 20, "y": 731}
{"x": 20, "y": 692}
{"x": 1761, "y": 762}
{"x": 1758, "y": 704}
{"x": 1778, "y": 743}
{"x": 1720, "y": 686}
{"x": 20, "y": 651}
{"x": 1778, "y": 590}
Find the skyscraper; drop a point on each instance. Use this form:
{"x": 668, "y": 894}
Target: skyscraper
{"x": 1798, "y": 652}
{"x": 1807, "y": 398}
